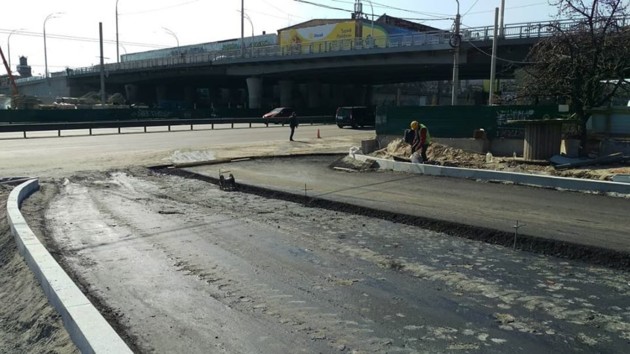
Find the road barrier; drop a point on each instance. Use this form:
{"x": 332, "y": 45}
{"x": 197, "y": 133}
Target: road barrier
{"x": 119, "y": 124}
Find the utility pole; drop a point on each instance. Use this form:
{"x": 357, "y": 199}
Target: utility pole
{"x": 493, "y": 62}
{"x": 117, "y": 43}
{"x": 455, "y": 43}
{"x": 242, "y": 28}
{"x": 502, "y": 17}
{"x": 103, "y": 95}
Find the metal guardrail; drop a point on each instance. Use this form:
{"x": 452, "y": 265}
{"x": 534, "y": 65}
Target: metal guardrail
{"x": 57, "y": 126}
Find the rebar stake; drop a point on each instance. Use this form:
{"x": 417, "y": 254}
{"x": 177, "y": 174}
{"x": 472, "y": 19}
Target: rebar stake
{"x": 516, "y": 227}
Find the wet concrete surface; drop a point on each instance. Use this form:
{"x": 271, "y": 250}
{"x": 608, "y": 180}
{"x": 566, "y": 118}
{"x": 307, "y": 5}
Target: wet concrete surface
{"x": 190, "y": 268}
{"x": 569, "y": 224}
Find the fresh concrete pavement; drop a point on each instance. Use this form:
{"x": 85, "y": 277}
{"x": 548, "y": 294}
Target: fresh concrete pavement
{"x": 582, "y": 223}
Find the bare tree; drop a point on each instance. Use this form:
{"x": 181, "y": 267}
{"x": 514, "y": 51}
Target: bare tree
{"x": 586, "y": 60}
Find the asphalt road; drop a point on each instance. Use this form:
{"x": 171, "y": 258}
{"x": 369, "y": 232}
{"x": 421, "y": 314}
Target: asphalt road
{"x": 44, "y": 154}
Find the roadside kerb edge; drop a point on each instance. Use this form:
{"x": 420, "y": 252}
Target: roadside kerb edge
{"x": 88, "y": 329}
{"x": 573, "y": 184}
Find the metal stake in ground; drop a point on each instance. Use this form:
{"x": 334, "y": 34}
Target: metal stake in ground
{"x": 305, "y": 190}
{"x": 516, "y": 227}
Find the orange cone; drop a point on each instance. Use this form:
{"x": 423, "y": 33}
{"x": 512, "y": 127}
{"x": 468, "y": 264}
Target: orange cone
{"x": 318, "y": 136}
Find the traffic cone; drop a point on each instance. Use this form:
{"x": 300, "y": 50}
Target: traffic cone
{"x": 318, "y": 136}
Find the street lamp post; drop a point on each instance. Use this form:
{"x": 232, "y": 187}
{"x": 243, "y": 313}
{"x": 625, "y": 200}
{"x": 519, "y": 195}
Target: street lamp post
{"x": 172, "y": 34}
{"x": 52, "y": 15}
{"x": 9, "y": 46}
{"x": 242, "y": 27}
{"x": 456, "y": 43}
{"x": 372, "y": 8}
{"x": 117, "y": 43}
{"x": 251, "y": 24}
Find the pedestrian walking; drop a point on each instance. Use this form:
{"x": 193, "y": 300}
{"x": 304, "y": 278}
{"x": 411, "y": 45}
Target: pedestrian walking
{"x": 293, "y": 123}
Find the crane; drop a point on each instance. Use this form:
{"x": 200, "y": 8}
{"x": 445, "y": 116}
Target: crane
{"x": 14, "y": 89}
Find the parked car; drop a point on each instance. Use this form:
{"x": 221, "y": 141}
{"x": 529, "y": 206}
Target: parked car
{"x": 278, "y": 115}
{"x": 357, "y": 116}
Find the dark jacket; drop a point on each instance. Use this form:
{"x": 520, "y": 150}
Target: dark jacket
{"x": 293, "y": 121}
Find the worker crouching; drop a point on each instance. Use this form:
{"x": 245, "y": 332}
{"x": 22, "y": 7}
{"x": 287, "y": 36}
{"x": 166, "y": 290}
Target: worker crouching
{"x": 419, "y": 139}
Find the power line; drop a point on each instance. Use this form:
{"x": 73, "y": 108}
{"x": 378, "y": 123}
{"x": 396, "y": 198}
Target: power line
{"x": 510, "y": 8}
{"x": 79, "y": 39}
{"x": 158, "y": 9}
{"x": 324, "y": 6}
{"x": 470, "y": 8}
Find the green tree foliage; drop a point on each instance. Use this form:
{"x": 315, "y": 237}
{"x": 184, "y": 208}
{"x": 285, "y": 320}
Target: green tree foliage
{"x": 586, "y": 60}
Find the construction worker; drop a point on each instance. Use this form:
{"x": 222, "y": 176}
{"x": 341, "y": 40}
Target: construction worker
{"x": 421, "y": 139}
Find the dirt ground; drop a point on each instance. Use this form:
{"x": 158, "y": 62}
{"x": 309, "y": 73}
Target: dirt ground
{"x": 28, "y": 324}
{"x": 449, "y": 156}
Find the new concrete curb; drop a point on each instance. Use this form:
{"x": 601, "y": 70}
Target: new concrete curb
{"x": 89, "y": 331}
{"x": 573, "y": 184}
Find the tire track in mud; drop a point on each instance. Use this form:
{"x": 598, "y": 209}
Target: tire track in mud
{"x": 299, "y": 310}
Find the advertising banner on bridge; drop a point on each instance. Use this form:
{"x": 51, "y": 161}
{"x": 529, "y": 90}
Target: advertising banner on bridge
{"x": 319, "y": 38}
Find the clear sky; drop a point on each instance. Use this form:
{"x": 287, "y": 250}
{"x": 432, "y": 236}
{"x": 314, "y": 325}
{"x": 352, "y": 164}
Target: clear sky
{"x": 72, "y": 36}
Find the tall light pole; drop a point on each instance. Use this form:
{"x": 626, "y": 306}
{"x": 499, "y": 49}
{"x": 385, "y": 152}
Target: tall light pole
{"x": 52, "y": 15}
{"x": 372, "y": 8}
{"x": 455, "y": 42}
{"x": 242, "y": 27}
{"x": 251, "y": 24}
{"x": 172, "y": 34}
{"x": 117, "y": 43}
{"x": 9, "y": 46}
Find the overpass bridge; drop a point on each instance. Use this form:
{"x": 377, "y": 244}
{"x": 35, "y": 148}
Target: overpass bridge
{"x": 339, "y": 72}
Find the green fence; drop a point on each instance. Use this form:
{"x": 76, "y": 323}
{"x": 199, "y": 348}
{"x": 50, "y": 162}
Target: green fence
{"x": 460, "y": 121}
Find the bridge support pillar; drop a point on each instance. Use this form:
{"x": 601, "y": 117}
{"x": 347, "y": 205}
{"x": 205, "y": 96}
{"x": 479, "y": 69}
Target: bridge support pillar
{"x": 131, "y": 93}
{"x": 226, "y": 97}
{"x": 160, "y": 93}
{"x": 254, "y": 88}
{"x": 314, "y": 94}
{"x": 286, "y": 93}
{"x": 325, "y": 93}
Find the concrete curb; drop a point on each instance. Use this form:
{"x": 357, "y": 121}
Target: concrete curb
{"x": 89, "y": 331}
{"x": 573, "y": 184}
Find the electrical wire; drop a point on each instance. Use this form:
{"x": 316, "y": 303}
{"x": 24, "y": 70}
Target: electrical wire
{"x": 324, "y": 6}
{"x": 81, "y": 39}
{"x": 499, "y": 58}
{"x": 470, "y": 8}
{"x": 157, "y": 9}
{"x": 509, "y": 8}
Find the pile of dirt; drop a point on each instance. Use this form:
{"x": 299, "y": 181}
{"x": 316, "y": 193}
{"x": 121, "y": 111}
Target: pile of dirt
{"x": 443, "y": 155}
{"x": 438, "y": 154}
{"x": 28, "y": 323}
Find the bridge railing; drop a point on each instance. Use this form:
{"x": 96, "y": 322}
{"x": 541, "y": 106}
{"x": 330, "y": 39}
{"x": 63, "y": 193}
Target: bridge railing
{"x": 393, "y": 43}
{"x": 530, "y": 29}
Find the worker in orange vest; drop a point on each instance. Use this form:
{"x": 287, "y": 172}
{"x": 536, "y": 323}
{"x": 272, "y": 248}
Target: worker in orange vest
{"x": 421, "y": 139}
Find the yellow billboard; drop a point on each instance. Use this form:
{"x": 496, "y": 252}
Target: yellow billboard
{"x": 373, "y": 35}
{"x": 316, "y": 34}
